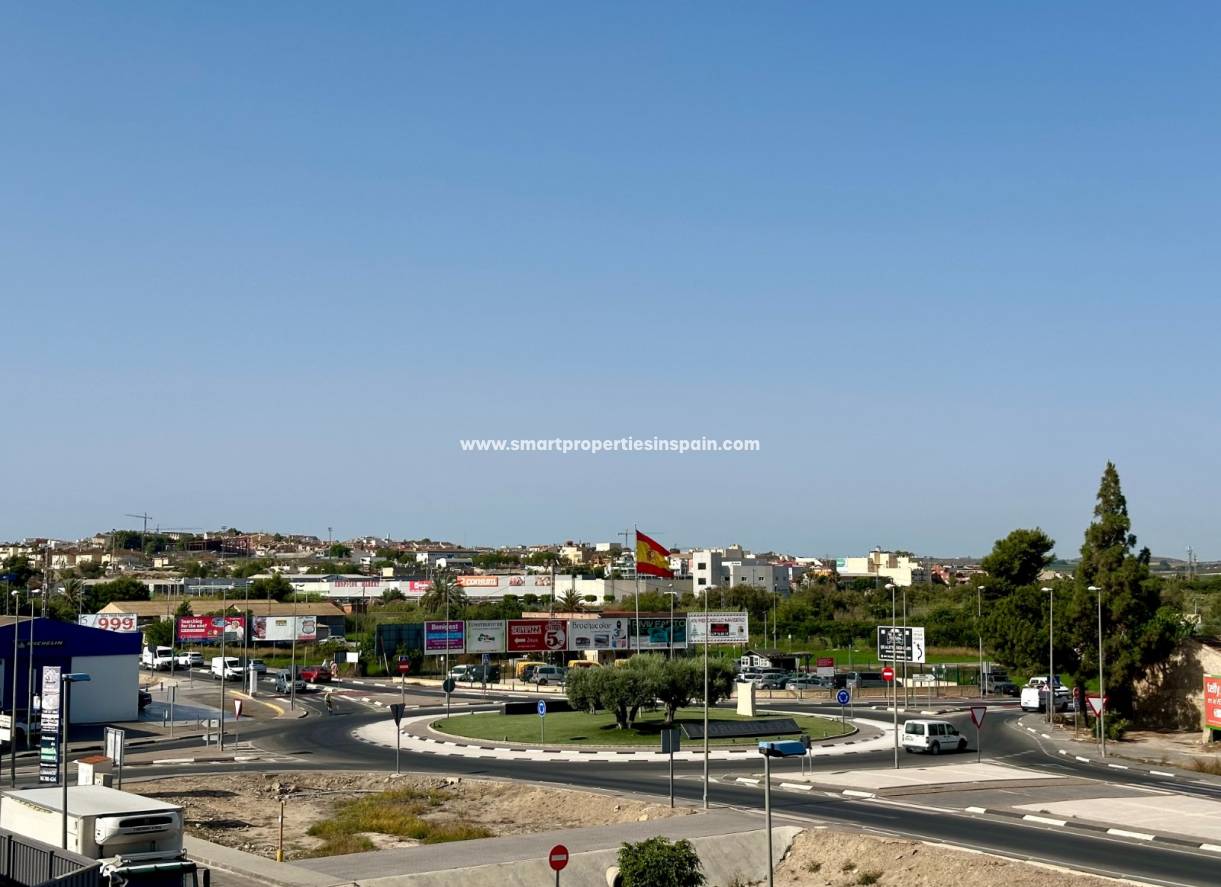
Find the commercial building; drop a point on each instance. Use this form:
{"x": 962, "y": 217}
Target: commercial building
{"x": 110, "y": 658}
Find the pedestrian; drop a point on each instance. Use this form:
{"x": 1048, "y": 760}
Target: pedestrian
{"x": 330, "y": 703}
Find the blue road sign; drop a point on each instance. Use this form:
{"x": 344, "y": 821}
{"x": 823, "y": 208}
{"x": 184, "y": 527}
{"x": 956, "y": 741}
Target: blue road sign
{"x": 842, "y": 697}
{"x": 487, "y": 658}
{"x": 785, "y": 748}
{"x": 542, "y": 708}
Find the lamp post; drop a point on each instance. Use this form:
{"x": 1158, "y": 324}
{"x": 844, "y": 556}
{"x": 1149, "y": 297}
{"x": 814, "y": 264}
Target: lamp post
{"x": 12, "y": 729}
{"x": 29, "y": 684}
{"x": 979, "y": 630}
{"x": 65, "y": 702}
{"x": 894, "y": 660}
{"x": 1102, "y": 703}
{"x": 705, "y": 596}
{"x": 1051, "y": 655}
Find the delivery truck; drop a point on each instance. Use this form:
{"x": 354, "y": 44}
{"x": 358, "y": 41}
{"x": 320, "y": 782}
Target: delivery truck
{"x": 137, "y": 839}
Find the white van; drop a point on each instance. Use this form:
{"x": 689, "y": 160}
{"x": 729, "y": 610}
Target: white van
{"x": 548, "y": 674}
{"x": 933, "y": 737}
{"x": 157, "y": 658}
{"x": 1034, "y": 698}
{"x": 228, "y": 667}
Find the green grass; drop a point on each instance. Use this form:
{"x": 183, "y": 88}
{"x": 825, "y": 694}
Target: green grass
{"x": 582, "y": 728}
{"x": 396, "y": 813}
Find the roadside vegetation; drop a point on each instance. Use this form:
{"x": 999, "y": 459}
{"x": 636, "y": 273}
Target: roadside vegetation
{"x": 400, "y": 813}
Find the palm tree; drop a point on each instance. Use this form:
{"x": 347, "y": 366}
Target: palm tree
{"x": 571, "y": 602}
{"x": 74, "y": 591}
{"x": 444, "y": 595}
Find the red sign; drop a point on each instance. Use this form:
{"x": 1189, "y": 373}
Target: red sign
{"x": 208, "y": 628}
{"x": 237, "y": 708}
{"x": 558, "y": 857}
{"x": 977, "y": 715}
{"x": 536, "y": 635}
{"x": 1212, "y": 701}
{"x": 888, "y": 674}
{"x": 404, "y": 665}
{"x": 825, "y": 662}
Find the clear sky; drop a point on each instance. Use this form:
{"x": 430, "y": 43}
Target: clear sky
{"x": 264, "y": 264}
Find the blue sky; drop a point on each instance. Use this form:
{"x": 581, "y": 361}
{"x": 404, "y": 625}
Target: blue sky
{"x": 264, "y": 264}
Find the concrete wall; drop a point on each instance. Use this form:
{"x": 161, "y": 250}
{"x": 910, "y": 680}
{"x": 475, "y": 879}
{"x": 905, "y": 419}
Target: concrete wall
{"x": 112, "y": 692}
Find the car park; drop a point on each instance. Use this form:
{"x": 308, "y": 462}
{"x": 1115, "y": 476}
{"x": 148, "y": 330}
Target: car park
{"x": 932, "y": 737}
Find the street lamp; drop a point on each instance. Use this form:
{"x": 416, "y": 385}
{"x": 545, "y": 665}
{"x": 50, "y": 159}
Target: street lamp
{"x": 65, "y": 702}
{"x": 894, "y": 660}
{"x": 1102, "y": 699}
{"x": 1051, "y": 661}
{"x": 12, "y": 728}
{"x": 979, "y": 630}
{"x": 673, "y": 597}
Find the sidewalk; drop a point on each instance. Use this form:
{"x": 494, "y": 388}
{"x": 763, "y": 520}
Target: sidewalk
{"x": 1167, "y": 750}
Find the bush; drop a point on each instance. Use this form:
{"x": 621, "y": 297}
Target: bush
{"x": 656, "y": 862}
{"x": 1116, "y": 727}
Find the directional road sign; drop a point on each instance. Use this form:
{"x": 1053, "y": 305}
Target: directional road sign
{"x": 899, "y": 643}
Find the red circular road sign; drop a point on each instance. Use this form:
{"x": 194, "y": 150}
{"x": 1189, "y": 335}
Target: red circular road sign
{"x": 558, "y": 857}
{"x": 404, "y": 665}
{"x": 888, "y": 674}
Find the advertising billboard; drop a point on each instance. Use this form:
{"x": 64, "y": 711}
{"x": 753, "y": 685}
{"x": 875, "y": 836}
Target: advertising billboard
{"x": 536, "y": 635}
{"x": 208, "y": 628}
{"x": 485, "y": 636}
{"x": 654, "y": 633}
{"x": 899, "y": 644}
{"x": 1212, "y": 701}
{"x": 280, "y": 628}
{"x": 443, "y": 637}
{"x": 723, "y": 628}
{"x": 110, "y": 621}
{"x": 597, "y": 634}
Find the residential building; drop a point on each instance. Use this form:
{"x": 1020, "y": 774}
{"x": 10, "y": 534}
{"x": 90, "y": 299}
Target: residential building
{"x": 884, "y": 566}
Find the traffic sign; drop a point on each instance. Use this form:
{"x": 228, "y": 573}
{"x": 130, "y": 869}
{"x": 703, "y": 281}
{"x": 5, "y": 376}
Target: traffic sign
{"x": 843, "y": 697}
{"x": 237, "y": 708}
{"x": 486, "y": 659}
{"x": 558, "y": 857}
{"x": 903, "y": 644}
{"x": 397, "y": 709}
{"x": 1097, "y": 703}
{"x": 404, "y": 665}
{"x": 977, "y": 715}
{"x": 888, "y": 674}
{"x": 542, "y": 708}
{"x": 448, "y": 685}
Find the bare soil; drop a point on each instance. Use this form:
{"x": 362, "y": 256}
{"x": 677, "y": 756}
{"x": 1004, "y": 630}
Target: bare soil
{"x": 242, "y": 810}
{"x": 824, "y": 858}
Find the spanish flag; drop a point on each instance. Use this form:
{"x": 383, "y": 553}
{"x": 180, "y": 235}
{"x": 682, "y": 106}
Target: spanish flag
{"x": 651, "y": 558}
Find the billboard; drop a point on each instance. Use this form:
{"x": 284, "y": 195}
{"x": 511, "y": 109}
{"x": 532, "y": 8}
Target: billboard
{"x": 485, "y": 636}
{"x": 654, "y": 633}
{"x": 208, "y": 628}
{"x": 443, "y": 637}
{"x": 518, "y": 585}
{"x": 536, "y": 635}
{"x": 110, "y": 621}
{"x": 597, "y": 634}
{"x": 899, "y": 644}
{"x": 280, "y": 628}
{"x": 723, "y": 628}
{"x": 1212, "y": 701}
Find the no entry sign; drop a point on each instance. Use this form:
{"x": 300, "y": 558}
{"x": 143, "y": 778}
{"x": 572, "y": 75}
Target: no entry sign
{"x": 888, "y": 674}
{"x": 558, "y": 857}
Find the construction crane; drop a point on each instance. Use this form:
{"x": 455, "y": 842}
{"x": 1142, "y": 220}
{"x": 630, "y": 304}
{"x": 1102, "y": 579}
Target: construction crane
{"x": 143, "y": 533}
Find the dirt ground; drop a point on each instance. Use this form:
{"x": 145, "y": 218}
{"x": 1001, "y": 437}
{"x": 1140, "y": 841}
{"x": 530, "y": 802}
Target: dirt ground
{"x": 834, "y": 859}
{"x": 242, "y": 810}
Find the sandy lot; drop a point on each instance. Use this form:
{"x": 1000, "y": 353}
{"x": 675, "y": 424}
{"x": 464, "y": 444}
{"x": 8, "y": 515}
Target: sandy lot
{"x": 242, "y": 811}
{"x": 837, "y": 859}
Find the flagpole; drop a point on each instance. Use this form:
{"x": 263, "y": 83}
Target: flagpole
{"x": 636, "y": 574}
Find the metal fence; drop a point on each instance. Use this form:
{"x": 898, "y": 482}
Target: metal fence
{"x": 30, "y": 863}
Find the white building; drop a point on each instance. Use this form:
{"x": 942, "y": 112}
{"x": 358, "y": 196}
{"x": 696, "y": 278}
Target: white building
{"x": 727, "y": 567}
{"x": 886, "y": 566}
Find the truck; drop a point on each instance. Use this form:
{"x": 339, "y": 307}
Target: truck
{"x": 138, "y": 840}
{"x": 997, "y": 683}
{"x": 157, "y": 658}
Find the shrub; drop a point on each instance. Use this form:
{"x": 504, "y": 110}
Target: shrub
{"x": 657, "y": 862}
{"x": 867, "y": 878}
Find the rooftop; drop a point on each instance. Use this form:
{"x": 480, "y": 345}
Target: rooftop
{"x": 90, "y": 800}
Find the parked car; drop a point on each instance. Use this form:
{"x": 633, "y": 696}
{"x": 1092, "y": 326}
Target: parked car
{"x": 146, "y": 699}
{"x": 477, "y": 674}
{"x": 315, "y": 674}
{"x": 189, "y": 659}
{"x": 157, "y": 658}
{"x": 548, "y": 674}
{"x": 932, "y": 737}
{"x": 257, "y": 666}
{"x": 772, "y": 681}
{"x": 284, "y": 683}
{"x": 524, "y": 668}
{"x": 809, "y": 682}
{"x": 866, "y": 679}
{"x": 228, "y": 667}
{"x": 998, "y": 683}
{"x": 459, "y": 672}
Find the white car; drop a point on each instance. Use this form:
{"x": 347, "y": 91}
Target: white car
{"x": 227, "y": 667}
{"x": 1034, "y": 698}
{"x": 932, "y": 737}
{"x": 157, "y": 658}
{"x": 192, "y": 659}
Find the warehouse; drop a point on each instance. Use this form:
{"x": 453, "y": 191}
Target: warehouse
{"x": 110, "y": 658}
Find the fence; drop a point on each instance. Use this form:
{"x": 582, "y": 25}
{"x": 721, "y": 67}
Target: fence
{"x": 30, "y": 863}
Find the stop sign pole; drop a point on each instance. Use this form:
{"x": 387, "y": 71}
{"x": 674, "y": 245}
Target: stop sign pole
{"x": 558, "y": 859}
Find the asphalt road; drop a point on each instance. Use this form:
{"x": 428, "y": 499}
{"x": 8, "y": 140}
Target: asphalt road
{"x": 326, "y": 742}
